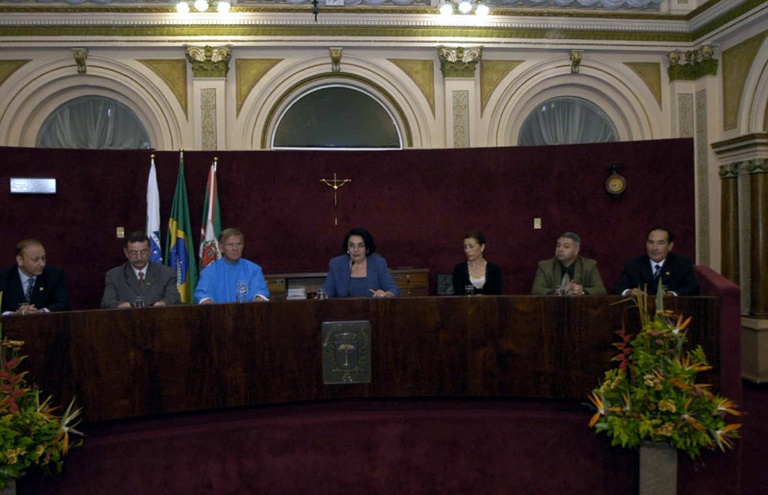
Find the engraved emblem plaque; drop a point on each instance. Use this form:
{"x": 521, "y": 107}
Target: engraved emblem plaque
{"x": 346, "y": 352}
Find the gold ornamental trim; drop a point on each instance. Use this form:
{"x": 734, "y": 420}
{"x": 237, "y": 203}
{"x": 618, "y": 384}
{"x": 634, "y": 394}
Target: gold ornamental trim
{"x": 367, "y": 31}
{"x": 248, "y": 73}
{"x": 492, "y": 72}
{"x": 421, "y": 72}
{"x": 8, "y": 67}
{"x": 173, "y": 72}
{"x": 650, "y": 74}
{"x": 735, "y": 59}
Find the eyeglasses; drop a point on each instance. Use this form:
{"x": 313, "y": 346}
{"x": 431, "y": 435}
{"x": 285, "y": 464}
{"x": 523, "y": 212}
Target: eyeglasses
{"x": 359, "y": 245}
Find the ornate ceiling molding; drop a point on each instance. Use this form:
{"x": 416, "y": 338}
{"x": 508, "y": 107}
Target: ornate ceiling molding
{"x": 411, "y": 19}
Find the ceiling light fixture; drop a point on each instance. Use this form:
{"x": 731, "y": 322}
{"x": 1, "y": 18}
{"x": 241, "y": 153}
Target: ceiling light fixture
{"x": 477, "y": 7}
{"x": 222, "y": 6}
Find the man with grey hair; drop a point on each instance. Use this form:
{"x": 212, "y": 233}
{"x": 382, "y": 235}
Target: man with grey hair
{"x": 568, "y": 274}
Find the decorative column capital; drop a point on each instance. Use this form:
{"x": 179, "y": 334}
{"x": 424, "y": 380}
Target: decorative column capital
{"x": 459, "y": 61}
{"x": 209, "y": 61}
{"x": 756, "y": 166}
{"x": 693, "y": 64}
{"x": 730, "y": 171}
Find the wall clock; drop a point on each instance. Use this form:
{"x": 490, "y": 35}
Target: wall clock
{"x": 615, "y": 184}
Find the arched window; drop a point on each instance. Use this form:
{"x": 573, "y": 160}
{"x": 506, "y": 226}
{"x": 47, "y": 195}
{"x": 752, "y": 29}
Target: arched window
{"x": 93, "y": 122}
{"x": 566, "y": 120}
{"x": 337, "y": 117}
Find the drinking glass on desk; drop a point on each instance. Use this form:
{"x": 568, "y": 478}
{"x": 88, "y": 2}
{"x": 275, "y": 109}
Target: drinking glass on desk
{"x": 138, "y": 302}
{"x": 321, "y": 294}
{"x": 469, "y": 290}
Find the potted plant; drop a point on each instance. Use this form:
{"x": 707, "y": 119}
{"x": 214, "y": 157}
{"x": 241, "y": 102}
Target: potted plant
{"x": 652, "y": 397}
{"x": 31, "y": 431}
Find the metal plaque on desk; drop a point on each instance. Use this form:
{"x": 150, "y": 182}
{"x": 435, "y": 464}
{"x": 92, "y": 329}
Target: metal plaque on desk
{"x": 346, "y": 352}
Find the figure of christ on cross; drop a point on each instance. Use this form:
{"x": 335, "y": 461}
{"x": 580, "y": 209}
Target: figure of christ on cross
{"x": 336, "y": 184}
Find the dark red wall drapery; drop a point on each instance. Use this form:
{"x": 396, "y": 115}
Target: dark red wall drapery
{"x": 417, "y": 204}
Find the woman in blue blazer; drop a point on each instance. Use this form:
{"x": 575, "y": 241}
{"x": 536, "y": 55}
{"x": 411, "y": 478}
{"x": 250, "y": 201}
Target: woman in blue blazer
{"x": 360, "y": 272}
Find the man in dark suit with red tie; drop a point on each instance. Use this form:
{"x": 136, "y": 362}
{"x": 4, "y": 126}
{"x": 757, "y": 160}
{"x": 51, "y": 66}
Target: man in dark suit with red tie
{"x": 30, "y": 286}
{"x": 139, "y": 282}
{"x": 659, "y": 263}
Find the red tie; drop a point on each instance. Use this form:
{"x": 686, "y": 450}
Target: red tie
{"x": 141, "y": 278}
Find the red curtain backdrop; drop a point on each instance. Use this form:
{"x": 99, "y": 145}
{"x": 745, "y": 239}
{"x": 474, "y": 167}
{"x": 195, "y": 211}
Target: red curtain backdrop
{"x": 416, "y": 203}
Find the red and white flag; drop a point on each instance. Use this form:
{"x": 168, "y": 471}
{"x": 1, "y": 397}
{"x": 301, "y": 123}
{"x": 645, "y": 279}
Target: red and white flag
{"x": 211, "y": 226}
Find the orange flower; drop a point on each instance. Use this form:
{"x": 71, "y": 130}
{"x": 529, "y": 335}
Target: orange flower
{"x": 725, "y": 405}
{"x": 723, "y": 436}
{"x": 598, "y": 403}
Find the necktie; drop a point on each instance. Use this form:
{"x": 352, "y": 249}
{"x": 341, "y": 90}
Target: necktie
{"x": 141, "y": 279}
{"x": 656, "y": 270}
{"x": 30, "y": 285}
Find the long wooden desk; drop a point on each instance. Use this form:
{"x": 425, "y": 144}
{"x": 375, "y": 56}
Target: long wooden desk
{"x": 139, "y": 362}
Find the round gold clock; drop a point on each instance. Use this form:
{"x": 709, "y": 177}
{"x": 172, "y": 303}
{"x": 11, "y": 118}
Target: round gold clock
{"x": 615, "y": 184}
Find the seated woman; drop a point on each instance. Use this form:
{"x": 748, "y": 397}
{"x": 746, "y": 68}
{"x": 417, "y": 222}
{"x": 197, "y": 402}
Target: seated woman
{"x": 476, "y": 274}
{"x": 359, "y": 272}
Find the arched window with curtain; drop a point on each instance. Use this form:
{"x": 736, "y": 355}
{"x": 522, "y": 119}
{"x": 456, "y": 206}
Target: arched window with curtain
{"x": 337, "y": 116}
{"x": 93, "y": 122}
{"x": 567, "y": 120}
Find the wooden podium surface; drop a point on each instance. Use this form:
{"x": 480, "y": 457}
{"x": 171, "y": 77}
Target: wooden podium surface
{"x": 127, "y": 363}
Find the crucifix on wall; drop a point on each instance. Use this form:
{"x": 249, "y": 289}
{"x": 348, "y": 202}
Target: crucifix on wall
{"x": 336, "y": 184}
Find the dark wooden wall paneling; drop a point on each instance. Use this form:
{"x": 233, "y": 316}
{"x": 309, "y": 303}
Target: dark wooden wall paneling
{"x": 417, "y": 204}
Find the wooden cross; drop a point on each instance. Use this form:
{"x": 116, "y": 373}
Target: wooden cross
{"x": 336, "y": 184}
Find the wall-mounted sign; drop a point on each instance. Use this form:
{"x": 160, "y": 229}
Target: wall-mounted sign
{"x": 25, "y": 185}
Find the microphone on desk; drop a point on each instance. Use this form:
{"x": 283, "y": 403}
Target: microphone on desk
{"x": 349, "y": 280}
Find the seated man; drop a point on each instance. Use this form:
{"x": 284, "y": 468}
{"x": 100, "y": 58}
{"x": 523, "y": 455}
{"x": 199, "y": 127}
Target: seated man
{"x": 231, "y": 278}
{"x": 139, "y": 282}
{"x": 30, "y": 286}
{"x": 568, "y": 274}
{"x": 659, "y": 263}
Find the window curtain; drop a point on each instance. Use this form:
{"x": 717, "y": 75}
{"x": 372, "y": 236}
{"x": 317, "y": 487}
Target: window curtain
{"x": 93, "y": 122}
{"x": 566, "y": 120}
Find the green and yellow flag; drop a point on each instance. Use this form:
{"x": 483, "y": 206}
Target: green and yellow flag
{"x": 179, "y": 253}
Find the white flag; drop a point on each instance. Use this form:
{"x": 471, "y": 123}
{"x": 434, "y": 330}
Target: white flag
{"x": 153, "y": 216}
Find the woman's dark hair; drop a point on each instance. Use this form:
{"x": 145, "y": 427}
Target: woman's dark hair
{"x": 370, "y": 246}
{"x": 475, "y": 234}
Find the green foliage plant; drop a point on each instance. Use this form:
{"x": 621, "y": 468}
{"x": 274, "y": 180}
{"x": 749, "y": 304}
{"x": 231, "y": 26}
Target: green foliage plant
{"x": 31, "y": 432}
{"x": 652, "y": 395}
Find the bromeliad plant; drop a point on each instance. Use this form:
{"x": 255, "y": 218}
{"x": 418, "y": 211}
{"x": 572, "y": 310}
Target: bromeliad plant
{"x": 652, "y": 396}
{"x": 31, "y": 433}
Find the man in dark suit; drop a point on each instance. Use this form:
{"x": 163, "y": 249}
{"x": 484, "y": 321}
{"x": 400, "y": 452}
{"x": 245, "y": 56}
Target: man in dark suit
{"x": 30, "y": 286}
{"x": 659, "y": 263}
{"x": 139, "y": 282}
